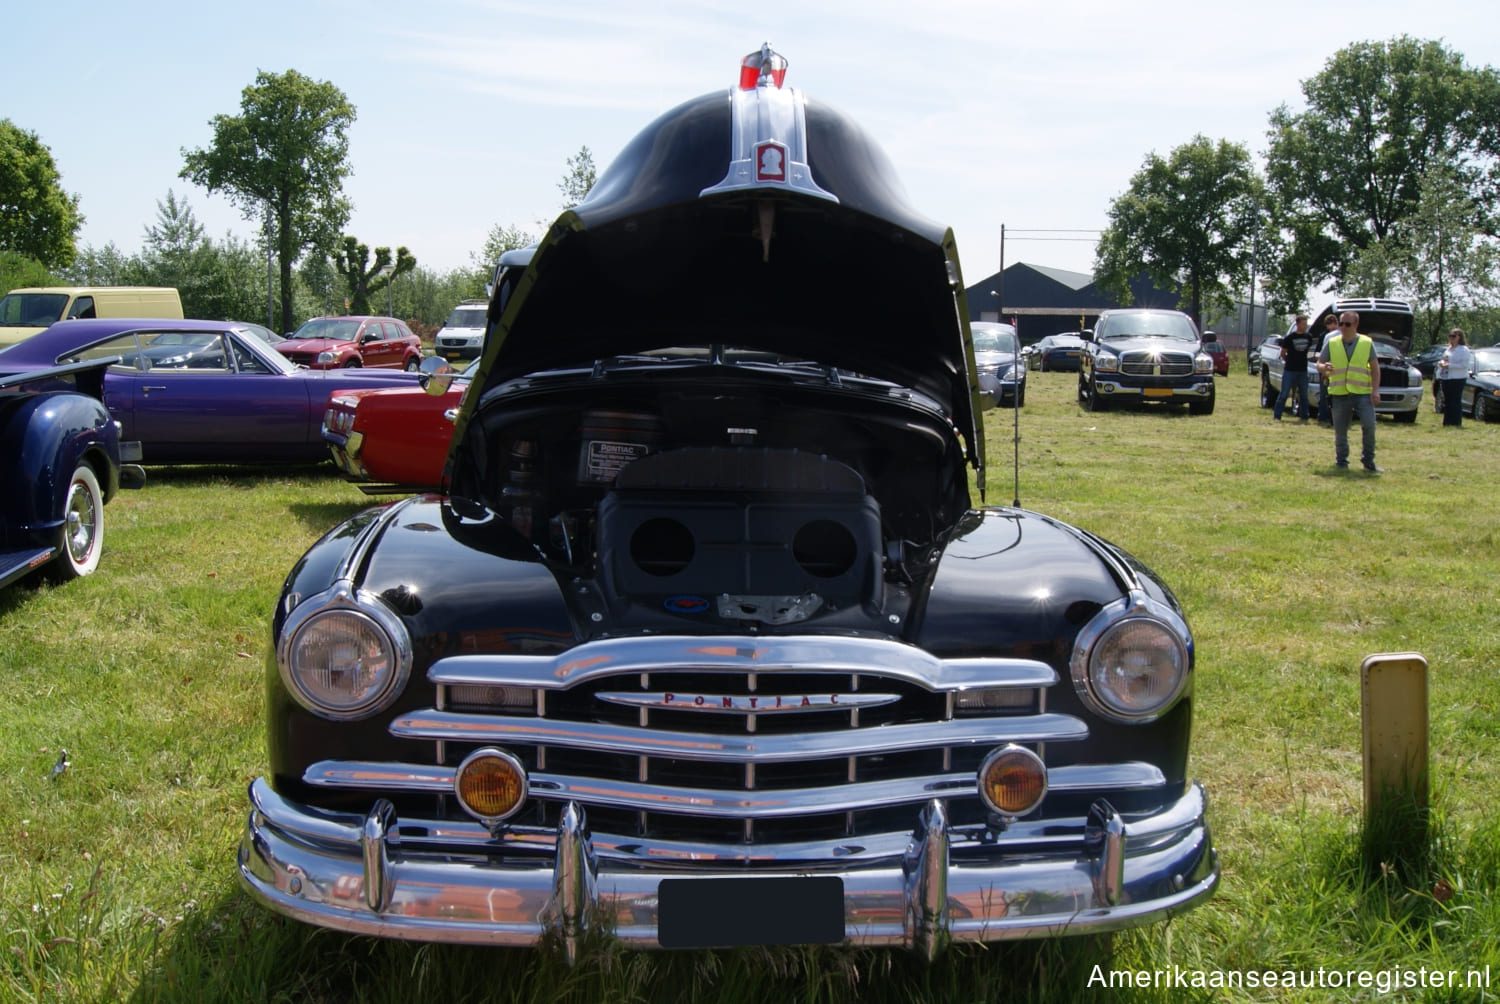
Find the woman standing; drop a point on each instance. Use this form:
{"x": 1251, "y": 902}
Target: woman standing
{"x": 1452, "y": 372}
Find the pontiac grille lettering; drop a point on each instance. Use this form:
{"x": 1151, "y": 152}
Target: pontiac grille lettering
{"x": 742, "y": 704}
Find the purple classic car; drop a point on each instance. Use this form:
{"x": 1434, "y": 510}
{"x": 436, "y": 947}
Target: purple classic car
{"x": 201, "y": 391}
{"x": 60, "y": 462}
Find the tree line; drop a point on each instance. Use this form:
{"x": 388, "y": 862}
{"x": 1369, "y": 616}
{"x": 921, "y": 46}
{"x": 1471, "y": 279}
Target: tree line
{"x": 1387, "y": 184}
{"x": 282, "y": 161}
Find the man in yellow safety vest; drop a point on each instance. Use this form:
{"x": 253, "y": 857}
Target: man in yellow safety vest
{"x": 1351, "y": 379}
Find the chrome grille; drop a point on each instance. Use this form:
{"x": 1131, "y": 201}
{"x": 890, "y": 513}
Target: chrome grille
{"x": 599, "y": 731}
{"x": 1173, "y": 364}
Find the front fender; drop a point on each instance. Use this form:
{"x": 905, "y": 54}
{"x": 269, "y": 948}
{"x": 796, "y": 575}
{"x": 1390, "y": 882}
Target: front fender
{"x": 45, "y": 437}
{"x": 1018, "y": 584}
{"x": 456, "y": 586}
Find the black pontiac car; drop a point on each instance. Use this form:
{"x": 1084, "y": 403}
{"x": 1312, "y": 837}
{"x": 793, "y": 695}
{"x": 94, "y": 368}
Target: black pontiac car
{"x": 707, "y": 642}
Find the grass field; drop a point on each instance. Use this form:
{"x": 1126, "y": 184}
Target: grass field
{"x": 117, "y": 875}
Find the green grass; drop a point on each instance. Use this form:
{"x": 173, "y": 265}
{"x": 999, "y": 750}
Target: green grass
{"x": 117, "y": 877}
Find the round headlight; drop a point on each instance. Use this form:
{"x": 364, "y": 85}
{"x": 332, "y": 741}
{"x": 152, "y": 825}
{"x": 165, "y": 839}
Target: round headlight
{"x": 1137, "y": 668}
{"x": 343, "y": 661}
{"x": 1131, "y": 662}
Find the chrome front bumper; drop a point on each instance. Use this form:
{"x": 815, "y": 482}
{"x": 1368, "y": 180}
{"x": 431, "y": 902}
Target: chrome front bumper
{"x": 452, "y": 882}
{"x": 1113, "y": 387}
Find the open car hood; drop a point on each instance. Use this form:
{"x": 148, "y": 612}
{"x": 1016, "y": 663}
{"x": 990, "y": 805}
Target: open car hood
{"x": 758, "y": 219}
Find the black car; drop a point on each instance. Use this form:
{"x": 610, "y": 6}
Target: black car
{"x": 708, "y": 642}
{"x": 60, "y": 462}
{"x": 1059, "y": 352}
{"x": 1482, "y": 390}
{"x": 1426, "y": 361}
{"x": 1143, "y": 354}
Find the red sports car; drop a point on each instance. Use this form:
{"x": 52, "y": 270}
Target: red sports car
{"x": 394, "y": 439}
{"x": 327, "y": 343}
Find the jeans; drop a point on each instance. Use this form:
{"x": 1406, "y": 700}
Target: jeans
{"x": 1453, "y": 401}
{"x": 1345, "y": 406}
{"x": 1292, "y": 381}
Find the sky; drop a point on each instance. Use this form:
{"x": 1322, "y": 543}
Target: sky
{"x": 1027, "y": 114}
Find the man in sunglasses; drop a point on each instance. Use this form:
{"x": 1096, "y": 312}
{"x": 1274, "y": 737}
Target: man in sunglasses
{"x": 1351, "y": 379}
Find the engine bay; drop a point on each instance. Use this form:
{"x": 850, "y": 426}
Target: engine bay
{"x": 686, "y": 489}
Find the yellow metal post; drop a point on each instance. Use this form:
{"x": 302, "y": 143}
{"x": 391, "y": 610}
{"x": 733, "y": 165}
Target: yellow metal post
{"x": 1393, "y": 699}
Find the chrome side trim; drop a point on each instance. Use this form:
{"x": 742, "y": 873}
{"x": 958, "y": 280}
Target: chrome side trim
{"x": 450, "y": 726}
{"x": 868, "y": 657}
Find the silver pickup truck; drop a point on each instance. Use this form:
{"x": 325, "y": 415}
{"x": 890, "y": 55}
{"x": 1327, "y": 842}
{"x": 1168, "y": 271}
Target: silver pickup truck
{"x": 1389, "y": 325}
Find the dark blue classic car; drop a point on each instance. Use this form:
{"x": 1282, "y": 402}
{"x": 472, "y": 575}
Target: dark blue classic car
{"x": 59, "y": 464}
{"x": 707, "y": 642}
{"x": 202, "y": 391}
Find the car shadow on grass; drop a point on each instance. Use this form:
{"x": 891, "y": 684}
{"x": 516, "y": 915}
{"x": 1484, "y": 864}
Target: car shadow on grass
{"x": 234, "y": 949}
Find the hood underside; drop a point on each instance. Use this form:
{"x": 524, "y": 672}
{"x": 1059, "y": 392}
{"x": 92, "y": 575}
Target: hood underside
{"x": 670, "y": 250}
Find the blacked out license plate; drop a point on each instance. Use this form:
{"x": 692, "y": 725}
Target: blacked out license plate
{"x": 729, "y": 912}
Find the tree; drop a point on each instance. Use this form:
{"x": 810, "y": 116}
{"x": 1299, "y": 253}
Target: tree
{"x": 37, "y": 218}
{"x": 579, "y": 179}
{"x": 351, "y": 260}
{"x": 1440, "y": 261}
{"x": 286, "y": 155}
{"x": 1348, "y": 169}
{"x": 1189, "y": 222}
{"x": 18, "y": 271}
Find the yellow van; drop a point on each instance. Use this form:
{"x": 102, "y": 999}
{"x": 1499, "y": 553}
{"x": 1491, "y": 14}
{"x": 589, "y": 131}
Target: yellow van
{"x": 24, "y": 312}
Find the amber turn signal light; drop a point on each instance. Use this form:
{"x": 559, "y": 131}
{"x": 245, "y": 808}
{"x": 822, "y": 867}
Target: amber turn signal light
{"x": 1012, "y": 780}
{"x": 490, "y": 785}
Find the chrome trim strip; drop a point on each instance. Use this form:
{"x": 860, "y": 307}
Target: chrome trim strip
{"x": 726, "y": 803}
{"x": 866, "y": 657}
{"x": 452, "y": 726}
{"x": 312, "y": 825}
{"x": 357, "y": 554}
{"x": 747, "y": 704}
{"x": 768, "y": 116}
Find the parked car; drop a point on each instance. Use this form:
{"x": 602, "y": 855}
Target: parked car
{"x": 462, "y": 334}
{"x": 25, "y": 311}
{"x": 60, "y": 463}
{"x": 193, "y": 392}
{"x": 1389, "y": 325}
{"x": 1059, "y": 352}
{"x": 326, "y": 343}
{"x": 394, "y": 439}
{"x": 1146, "y": 354}
{"x": 1482, "y": 390}
{"x": 997, "y": 357}
{"x": 1426, "y": 361}
{"x": 708, "y": 643}
{"x": 1220, "y": 356}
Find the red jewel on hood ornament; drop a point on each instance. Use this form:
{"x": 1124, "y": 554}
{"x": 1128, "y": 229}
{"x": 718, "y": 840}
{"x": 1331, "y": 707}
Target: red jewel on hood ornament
{"x": 761, "y": 68}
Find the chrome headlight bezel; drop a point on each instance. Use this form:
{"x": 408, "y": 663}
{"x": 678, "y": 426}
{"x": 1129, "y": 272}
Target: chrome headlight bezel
{"x": 1131, "y": 613}
{"x": 1106, "y": 362}
{"x": 365, "y": 613}
{"x": 1203, "y": 363}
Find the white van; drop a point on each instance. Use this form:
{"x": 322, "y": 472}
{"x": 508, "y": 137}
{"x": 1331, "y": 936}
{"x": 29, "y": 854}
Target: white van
{"x": 24, "y": 312}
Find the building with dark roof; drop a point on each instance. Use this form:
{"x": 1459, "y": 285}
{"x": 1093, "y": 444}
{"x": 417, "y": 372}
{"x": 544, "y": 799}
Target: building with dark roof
{"x": 1043, "y": 301}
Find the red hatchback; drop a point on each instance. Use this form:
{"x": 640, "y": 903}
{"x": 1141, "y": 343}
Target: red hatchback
{"x": 327, "y": 343}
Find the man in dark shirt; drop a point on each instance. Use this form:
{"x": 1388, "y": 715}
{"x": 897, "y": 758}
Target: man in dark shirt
{"x": 1294, "y": 350}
